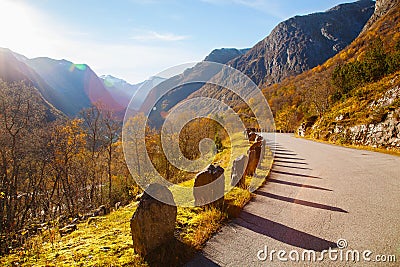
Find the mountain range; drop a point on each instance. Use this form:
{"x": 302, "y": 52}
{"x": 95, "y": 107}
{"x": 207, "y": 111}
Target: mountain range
{"x": 294, "y": 46}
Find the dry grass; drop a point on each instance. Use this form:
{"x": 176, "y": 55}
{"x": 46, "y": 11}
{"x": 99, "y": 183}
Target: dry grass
{"x": 107, "y": 240}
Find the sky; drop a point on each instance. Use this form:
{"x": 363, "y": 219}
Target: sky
{"x": 136, "y": 39}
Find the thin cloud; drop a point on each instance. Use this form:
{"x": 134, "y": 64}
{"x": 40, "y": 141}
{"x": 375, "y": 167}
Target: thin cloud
{"x": 273, "y": 8}
{"x": 155, "y": 36}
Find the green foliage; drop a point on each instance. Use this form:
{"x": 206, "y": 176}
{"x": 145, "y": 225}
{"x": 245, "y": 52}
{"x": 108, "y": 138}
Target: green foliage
{"x": 374, "y": 66}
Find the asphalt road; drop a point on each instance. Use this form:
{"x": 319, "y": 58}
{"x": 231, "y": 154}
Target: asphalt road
{"x": 315, "y": 195}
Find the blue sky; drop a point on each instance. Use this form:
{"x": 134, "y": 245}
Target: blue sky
{"x": 135, "y": 39}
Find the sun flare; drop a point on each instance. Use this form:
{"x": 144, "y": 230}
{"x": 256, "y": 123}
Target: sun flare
{"x": 18, "y": 26}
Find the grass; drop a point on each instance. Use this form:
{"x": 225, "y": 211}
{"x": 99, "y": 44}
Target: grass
{"x": 107, "y": 241}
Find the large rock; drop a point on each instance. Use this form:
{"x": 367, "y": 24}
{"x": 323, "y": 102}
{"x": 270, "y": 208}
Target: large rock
{"x": 252, "y": 136}
{"x": 238, "y": 171}
{"x": 254, "y": 157}
{"x": 153, "y": 223}
{"x": 205, "y": 195}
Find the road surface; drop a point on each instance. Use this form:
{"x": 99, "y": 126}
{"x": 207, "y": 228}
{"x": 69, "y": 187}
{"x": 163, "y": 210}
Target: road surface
{"x": 316, "y": 195}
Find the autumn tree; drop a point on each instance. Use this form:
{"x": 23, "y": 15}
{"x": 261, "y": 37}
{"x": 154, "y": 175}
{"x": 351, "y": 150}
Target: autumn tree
{"x": 21, "y": 153}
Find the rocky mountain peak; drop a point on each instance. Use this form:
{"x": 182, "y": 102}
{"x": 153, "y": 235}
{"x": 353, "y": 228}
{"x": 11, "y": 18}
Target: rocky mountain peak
{"x": 224, "y": 55}
{"x": 303, "y": 42}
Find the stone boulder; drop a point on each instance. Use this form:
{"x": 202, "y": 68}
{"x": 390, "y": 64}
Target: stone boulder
{"x": 238, "y": 171}
{"x": 153, "y": 223}
{"x": 252, "y": 136}
{"x": 206, "y": 195}
{"x": 254, "y": 157}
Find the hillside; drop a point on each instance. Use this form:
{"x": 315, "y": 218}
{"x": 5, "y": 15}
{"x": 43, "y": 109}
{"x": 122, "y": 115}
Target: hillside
{"x": 351, "y": 92}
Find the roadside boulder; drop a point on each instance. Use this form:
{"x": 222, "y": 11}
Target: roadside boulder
{"x": 254, "y": 157}
{"x": 238, "y": 171}
{"x": 153, "y": 223}
{"x": 210, "y": 194}
{"x": 252, "y": 136}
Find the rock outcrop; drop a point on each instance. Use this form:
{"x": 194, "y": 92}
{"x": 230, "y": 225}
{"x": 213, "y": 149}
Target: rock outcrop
{"x": 385, "y": 134}
{"x": 254, "y": 158}
{"x": 252, "y": 137}
{"x": 153, "y": 223}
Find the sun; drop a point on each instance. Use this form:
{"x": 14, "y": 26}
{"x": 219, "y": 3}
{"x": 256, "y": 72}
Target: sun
{"x": 18, "y": 26}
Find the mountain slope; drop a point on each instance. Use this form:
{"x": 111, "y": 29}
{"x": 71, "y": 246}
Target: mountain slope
{"x": 303, "y": 42}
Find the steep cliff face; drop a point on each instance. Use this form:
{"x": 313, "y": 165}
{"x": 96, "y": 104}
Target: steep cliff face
{"x": 303, "y": 42}
{"x": 381, "y": 8}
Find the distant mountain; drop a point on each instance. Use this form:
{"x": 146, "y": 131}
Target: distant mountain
{"x": 66, "y": 86}
{"x": 76, "y": 84}
{"x": 303, "y": 42}
{"x": 70, "y": 87}
{"x": 14, "y": 70}
{"x": 122, "y": 91}
{"x": 224, "y": 55}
